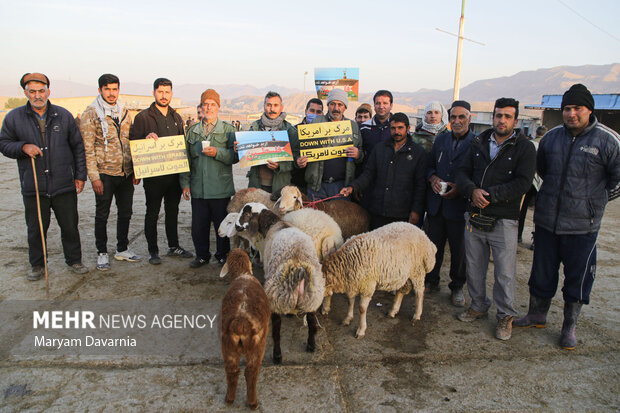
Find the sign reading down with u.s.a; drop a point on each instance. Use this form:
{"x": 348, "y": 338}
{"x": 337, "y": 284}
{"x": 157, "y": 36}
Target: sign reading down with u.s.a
{"x": 327, "y": 140}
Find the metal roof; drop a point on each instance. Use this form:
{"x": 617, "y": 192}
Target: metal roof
{"x": 608, "y": 101}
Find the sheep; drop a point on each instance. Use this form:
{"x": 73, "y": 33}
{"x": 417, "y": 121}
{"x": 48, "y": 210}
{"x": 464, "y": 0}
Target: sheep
{"x": 323, "y": 230}
{"x": 245, "y": 322}
{"x": 244, "y": 196}
{"x": 294, "y": 283}
{"x": 227, "y": 229}
{"x": 384, "y": 259}
{"x": 350, "y": 217}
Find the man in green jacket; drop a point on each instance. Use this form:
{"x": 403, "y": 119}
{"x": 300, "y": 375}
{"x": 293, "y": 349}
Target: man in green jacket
{"x": 327, "y": 178}
{"x": 274, "y": 175}
{"x": 209, "y": 181}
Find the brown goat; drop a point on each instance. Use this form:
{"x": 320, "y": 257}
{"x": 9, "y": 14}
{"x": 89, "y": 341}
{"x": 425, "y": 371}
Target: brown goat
{"x": 245, "y": 322}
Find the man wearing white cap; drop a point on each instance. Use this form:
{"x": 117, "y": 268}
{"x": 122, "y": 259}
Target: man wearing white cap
{"x": 327, "y": 178}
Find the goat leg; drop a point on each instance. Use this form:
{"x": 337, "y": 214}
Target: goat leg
{"x": 313, "y": 326}
{"x": 276, "y": 321}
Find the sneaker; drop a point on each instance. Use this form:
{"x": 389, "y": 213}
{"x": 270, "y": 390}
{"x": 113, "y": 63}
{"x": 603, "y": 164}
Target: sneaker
{"x": 221, "y": 261}
{"x": 471, "y": 315}
{"x": 154, "y": 260}
{"x": 198, "y": 262}
{"x": 36, "y": 273}
{"x": 127, "y": 255}
{"x": 179, "y": 252}
{"x": 103, "y": 262}
{"x": 79, "y": 268}
{"x": 457, "y": 298}
{"x": 503, "y": 331}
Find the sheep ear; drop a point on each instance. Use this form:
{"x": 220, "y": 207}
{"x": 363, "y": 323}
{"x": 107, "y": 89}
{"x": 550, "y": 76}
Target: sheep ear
{"x": 299, "y": 202}
{"x": 253, "y": 224}
{"x": 224, "y": 271}
{"x": 278, "y": 201}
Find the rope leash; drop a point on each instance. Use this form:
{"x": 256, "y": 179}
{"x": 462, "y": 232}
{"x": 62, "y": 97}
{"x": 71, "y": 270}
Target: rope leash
{"x": 312, "y": 204}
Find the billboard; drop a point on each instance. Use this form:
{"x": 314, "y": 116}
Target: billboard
{"x": 328, "y": 78}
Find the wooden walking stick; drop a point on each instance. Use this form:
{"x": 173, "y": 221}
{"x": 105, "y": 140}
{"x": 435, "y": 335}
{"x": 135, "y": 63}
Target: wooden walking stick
{"x": 36, "y": 188}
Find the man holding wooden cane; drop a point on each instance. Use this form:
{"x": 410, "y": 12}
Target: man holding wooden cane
{"x": 48, "y": 134}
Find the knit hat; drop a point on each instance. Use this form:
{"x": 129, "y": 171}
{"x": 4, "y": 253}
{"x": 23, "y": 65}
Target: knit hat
{"x": 210, "y": 94}
{"x": 578, "y": 95}
{"x": 339, "y": 95}
{"x": 36, "y": 77}
{"x": 364, "y": 107}
{"x": 461, "y": 103}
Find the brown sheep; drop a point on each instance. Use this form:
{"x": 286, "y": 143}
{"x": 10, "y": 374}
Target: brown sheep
{"x": 245, "y": 322}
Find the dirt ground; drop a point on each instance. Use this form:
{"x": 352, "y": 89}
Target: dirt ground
{"x": 438, "y": 364}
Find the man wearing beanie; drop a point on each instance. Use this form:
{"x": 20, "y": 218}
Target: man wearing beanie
{"x": 327, "y": 178}
{"x": 445, "y": 206}
{"x": 363, "y": 114}
{"x": 48, "y": 134}
{"x": 209, "y": 182}
{"x": 579, "y": 163}
{"x": 435, "y": 121}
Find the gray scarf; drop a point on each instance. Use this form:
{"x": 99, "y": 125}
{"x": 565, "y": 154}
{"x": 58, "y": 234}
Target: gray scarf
{"x": 272, "y": 124}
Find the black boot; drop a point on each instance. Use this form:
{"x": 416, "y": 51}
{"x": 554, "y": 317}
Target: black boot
{"x": 536, "y": 315}
{"x": 568, "y": 340}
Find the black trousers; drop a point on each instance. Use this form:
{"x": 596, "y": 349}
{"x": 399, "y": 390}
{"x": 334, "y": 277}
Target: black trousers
{"x": 439, "y": 230}
{"x": 205, "y": 212}
{"x": 165, "y": 187}
{"x": 121, "y": 188}
{"x": 65, "y": 210}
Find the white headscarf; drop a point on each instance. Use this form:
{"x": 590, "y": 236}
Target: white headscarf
{"x": 434, "y": 129}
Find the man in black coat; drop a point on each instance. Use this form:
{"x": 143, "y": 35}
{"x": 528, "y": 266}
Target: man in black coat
{"x": 494, "y": 175}
{"x": 394, "y": 178}
{"x": 160, "y": 120}
{"x": 48, "y": 134}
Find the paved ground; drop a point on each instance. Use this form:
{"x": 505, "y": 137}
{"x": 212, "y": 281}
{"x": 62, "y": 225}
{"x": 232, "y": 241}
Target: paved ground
{"x": 439, "y": 364}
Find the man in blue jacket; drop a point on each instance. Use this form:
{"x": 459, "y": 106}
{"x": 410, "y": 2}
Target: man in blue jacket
{"x": 579, "y": 163}
{"x": 444, "y": 204}
{"x": 48, "y": 134}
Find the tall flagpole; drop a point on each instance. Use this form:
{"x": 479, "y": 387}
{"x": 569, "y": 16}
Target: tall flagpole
{"x": 459, "y": 49}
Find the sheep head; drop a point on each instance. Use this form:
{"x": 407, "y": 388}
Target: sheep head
{"x": 290, "y": 199}
{"x": 256, "y": 218}
{"x": 227, "y": 227}
{"x": 237, "y": 263}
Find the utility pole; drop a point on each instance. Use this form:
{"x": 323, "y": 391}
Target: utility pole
{"x": 459, "y": 49}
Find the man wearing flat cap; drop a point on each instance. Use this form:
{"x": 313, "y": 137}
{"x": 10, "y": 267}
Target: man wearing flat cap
{"x": 48, "y": 134}
{"x": 209, "y": 182}
{"x": 579, "y": 162}
{"x": 445, "y": 206}
{"x": 326, "y": 178}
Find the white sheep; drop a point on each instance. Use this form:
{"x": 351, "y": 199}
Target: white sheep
{"x": 247, "y": 195}
{"x": 324, "y": 231}
{"x": 227, "y": 229}
{"x": 294, "y": 283}
{"x": 383, "y": 259}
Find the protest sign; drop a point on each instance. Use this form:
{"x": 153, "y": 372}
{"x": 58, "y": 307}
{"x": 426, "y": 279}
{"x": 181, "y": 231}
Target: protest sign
{"x": 346, "y": 78}
{"x": 256, "y": 148}
{"x": 327, "y": 140}
{"x": 163, "y": 156}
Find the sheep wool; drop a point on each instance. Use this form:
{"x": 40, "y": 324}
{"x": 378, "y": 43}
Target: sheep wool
{"x": 324, "y": 231}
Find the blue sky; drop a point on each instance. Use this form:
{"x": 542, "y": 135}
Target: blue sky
{"x": 394, "y": 43}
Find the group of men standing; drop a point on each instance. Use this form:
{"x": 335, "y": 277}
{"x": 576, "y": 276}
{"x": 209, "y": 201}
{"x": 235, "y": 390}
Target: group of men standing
{"x": 466, "y": 189}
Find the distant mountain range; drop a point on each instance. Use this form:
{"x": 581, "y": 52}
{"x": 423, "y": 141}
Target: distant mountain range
{"x": 527, "y": 87}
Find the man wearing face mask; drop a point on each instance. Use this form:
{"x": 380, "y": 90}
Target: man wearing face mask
{"x": 274, "y": 175}
{"x": 314, "y": 108}
{"x": 435, "y": 122}
{"x": 105, "y": 128}
{"x": 326, "y": 178}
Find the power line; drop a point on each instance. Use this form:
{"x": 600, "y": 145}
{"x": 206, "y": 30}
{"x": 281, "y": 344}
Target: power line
{"x": 593, "y": 24}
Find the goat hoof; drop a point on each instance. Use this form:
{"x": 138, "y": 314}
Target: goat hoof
{"x": 391, "y": 315}
{"x": 229, "y": 401}
{"x": 346, "y": 322}
{"x": 277, "y": 359}
{"x": 310, "y": 348}
{"x": 253, "y": 406}
{"x": 324, "y": 312}
{"x": 359, "y": 335}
